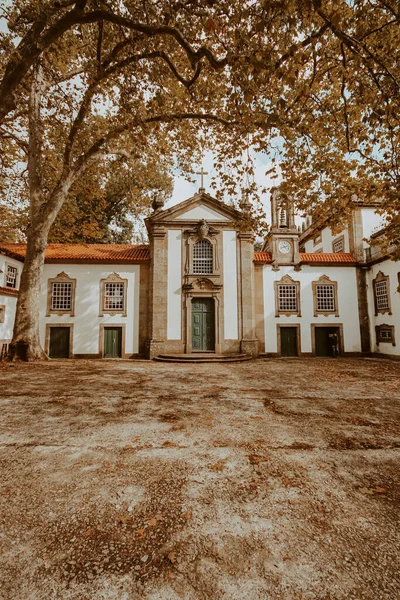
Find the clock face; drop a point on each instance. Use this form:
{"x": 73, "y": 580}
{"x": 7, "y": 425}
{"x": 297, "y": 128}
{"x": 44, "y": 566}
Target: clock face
{"x": 284, "y": 246}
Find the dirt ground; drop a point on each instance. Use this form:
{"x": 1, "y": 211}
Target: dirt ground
{"x": 132, "y": 480}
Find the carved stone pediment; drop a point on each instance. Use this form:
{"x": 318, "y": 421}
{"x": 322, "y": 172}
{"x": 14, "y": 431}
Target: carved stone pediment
{"x": 114, "y": 277}
{"x": 202, "y": 230}
{"x": 63, "y": 277}
{"x": 200, "y": 284}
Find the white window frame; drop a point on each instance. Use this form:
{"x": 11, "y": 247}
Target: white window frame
{"x": 198, "y": 263}
{"x": 8, "y": 268}
{"x": 113, "y": 278}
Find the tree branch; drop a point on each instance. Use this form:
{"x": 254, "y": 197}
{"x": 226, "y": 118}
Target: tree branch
{"x": 35, "y": 41}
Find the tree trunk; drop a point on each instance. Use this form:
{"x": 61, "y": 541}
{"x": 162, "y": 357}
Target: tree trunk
{"x": 25, "y": 344}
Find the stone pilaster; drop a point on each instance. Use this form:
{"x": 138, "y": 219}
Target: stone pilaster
{"x": 158, "y": 291}
{"x": 248, "y": 340}
{"x": 356, "y": 234}
{"x": 365, "y": 334}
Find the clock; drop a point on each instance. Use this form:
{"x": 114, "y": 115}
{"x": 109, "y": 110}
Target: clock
{"x": 284, "y": 246}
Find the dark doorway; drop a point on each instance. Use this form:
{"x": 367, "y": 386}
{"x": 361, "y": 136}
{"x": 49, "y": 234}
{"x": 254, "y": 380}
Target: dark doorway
{"x": 203, "y": 325}
{"x": 289, "y": 341}
{"x": 325, "y": 342}
{"x": 112, "y": 342}
{"x": 59, "y": 342}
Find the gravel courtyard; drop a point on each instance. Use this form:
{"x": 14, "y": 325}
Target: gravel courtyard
{"x": 131, "y": 480}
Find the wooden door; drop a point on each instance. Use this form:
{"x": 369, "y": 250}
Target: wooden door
{"x": 112, "y": 342}
{"x": 59, "y": 342}
{"x": 203, "y": 325}
{"x": 323, "y": 342}
{"x": 288, "y": 341}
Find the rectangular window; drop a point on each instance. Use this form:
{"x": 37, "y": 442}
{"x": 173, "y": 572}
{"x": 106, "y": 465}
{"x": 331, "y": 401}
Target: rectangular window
{"x": 61, "y": 296}
{"x": 325, "y": 298}
{"x": 381, "y": 295}
{"x": 203, "y": 257}
{"x": 317, "y": 239}
{"x": 338, "y": 245}
{"x": 385, "y": 334}
{"x": 114, "y": 296}
{"x": 287, "y": 298}
{"x": 11, "y": 277}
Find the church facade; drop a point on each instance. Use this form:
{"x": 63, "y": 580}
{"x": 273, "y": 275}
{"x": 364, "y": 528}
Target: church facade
{"x": 199, "y": 287}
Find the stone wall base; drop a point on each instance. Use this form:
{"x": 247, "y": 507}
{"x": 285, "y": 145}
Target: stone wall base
{"x": 154, "y": 348}
{"x": 249, "y": 347}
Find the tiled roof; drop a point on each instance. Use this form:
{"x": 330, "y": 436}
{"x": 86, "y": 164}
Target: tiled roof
{"x": 7, "y": 290}
{"x": 262, "y": 257}
{"x": 112, "y": 253}
{"x": 330, "y": 258}
{"x": 336, "y": 257}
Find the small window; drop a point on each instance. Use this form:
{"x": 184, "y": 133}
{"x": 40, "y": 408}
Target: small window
{"x": 325, "y": 298}
{"x": 338, "y": 245}
{"x": 385, "y": 334}
{"x": 11, "y": 277}
{"x": 287, "y": 298}
{"x": 202, "y": 257}
{"x": 114, "y": 295}
{"x": 381, "y": 294}
{"x": 317, "y": 239}
{"x": 2, "y": 313}
{"x": 61, "y": 295}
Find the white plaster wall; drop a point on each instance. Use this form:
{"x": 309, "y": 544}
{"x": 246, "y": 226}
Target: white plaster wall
{"x": 202, "y": 212}
{"x": 347, "y": 301}
{"x": 10, "y": 302}
{"x": 6, "y": 328}
{"x": 87, "y": 304}
{"x": 174, "y": 291}
{"x": 231, "y": 330}
{"x": 371, "y": 222}
{"x": 391, "y": 268}
{"x": 327, "y": 238}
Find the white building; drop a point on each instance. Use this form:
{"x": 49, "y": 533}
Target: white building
{"x": 199, "y": 287}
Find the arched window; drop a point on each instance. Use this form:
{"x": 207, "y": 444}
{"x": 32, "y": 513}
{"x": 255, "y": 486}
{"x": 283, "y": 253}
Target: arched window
{"x": 202, "y": 257}
{"x": 283, "y": 216}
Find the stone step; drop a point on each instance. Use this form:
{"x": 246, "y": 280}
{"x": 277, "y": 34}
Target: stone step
{"x": 202, "y": 358}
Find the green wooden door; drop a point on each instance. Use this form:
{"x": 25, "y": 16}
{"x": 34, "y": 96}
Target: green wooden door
{"x": 203, "y": 325}
{"x": 288, "y": 341}
{"x": 112, "y": 342}
{"x": 321, "y": 341}
{"x": 59, "y": 342}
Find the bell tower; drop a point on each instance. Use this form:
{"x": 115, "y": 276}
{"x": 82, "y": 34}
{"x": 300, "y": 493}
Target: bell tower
{"x": 283, "y": 238}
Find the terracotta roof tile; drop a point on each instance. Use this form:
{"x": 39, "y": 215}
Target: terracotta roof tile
{"x": 331, "y": 258}
{"x": 262, "y": 257}
{"x": 113, "y": 253}
{"x": 337, "y": 257}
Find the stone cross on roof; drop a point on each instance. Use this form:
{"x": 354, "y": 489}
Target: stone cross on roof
{"x": 202, "y": 173}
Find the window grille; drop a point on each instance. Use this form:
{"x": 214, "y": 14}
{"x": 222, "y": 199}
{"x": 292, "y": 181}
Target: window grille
{"x": 61, "y": 295}
{"x": 381, "y": 295}
{"x": 325, "y": 297}
{"x": 338, "y": 246}
{"x": 287, "y": 298}
{"x": 385, "y": 333}
{"x": 202, "y": 257}
{"x": 114, "y": 296}
{"x": 11, "y": 277}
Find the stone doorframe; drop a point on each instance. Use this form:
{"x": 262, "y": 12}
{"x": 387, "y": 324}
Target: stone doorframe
{"x": 218, "y": 317}
{"x": 338, "y": 326}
